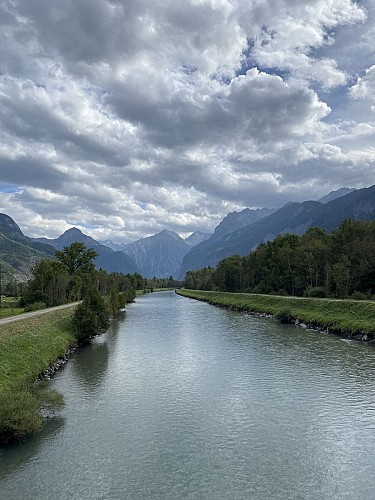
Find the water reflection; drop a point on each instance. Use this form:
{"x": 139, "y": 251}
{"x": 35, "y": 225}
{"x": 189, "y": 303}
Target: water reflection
{"x": 91, "y": 366}
{"x": 20, "y": 454}
{"x": 184, "y": 400}
{"x": 300, "y": 347}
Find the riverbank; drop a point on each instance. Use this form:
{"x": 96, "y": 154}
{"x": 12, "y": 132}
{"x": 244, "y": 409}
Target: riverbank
{"x": 349, "y": 318}
{"x": 29, "y": 348}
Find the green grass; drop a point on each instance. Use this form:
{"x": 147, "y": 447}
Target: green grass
{"x": 345, "y": 316}
{"x": 27, "y": 348}
{"x": 6, "y": 312}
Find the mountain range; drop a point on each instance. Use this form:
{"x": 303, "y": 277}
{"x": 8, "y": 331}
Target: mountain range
{"x": 293, "y": 218}
{"x": 108, "y": 259}
{"x": 167, "y": 254}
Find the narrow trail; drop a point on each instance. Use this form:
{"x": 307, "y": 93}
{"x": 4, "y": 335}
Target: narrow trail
{"x": 22, "y": 316}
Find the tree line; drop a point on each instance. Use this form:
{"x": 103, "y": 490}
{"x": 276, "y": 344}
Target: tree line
{"x": 317, "y": 264}
{"x": 71, "y": 277}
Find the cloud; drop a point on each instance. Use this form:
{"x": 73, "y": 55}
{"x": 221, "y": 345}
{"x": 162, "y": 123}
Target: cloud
{"x": 364, "y": 88}
{"x": 129, "y": 117}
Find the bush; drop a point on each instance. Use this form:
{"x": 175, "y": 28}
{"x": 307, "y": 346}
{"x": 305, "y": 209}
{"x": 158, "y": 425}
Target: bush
{"x": 284, "y": 316}
{"x": 91, "y": 317}
{"x": 315, "y": 291}
{"x": 20, "y": 410}
{"x": 359, "y": 296}
{"x": 35, "y": 307}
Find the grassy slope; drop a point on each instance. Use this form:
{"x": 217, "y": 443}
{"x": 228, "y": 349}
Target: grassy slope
{"x": 27, "y": 348}
{"x": 346, "y": 316}
{"x": 30, "y": 346}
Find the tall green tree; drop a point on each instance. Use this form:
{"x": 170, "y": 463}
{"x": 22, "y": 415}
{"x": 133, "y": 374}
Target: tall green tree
{"x": 77, "y": 258}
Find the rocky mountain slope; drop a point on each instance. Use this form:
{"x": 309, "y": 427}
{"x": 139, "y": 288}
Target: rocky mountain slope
{"x": 159, "y": 255}
{"x": 291, "y": 218}
{"x": 18, "y": 253}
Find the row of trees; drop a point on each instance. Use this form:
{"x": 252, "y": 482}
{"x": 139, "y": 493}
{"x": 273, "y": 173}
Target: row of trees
{"x": 340, "y": 264}
{"x": 72, "y": 276}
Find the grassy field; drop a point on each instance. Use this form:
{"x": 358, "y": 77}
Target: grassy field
{"x": 348, "y": 317}
{"x": 27, "y": 348}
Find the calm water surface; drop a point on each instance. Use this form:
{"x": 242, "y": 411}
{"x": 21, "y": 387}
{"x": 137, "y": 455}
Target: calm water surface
{"x": 180, "y": 399}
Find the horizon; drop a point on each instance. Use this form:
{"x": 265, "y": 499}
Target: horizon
{"x": 183, "y": 236}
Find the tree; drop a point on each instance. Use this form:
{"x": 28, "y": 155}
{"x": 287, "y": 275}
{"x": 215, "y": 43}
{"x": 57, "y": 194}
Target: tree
{"x": 92, "y": 316}
{"x": 76, "y": 258}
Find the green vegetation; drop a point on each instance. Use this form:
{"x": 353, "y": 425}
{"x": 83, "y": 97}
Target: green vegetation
{"x": 27, "y": 348}
{"x": 10, "y": 311}
{"x": 348, "y": 317}
{"x": 71, "y": 277}
{"x": 316, "y": 264}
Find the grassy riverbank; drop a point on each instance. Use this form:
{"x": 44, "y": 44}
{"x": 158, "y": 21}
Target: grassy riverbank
{"x": 349, "y": 317}
{"x": 27, "y": 348}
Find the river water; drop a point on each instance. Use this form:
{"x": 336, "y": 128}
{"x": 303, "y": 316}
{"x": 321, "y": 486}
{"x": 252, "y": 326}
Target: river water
{"x": 180, "y": 399}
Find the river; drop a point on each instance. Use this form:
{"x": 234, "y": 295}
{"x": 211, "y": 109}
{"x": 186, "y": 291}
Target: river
{"x": 180, "y": 399}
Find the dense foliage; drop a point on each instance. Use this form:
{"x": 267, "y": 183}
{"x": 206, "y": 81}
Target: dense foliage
{"x": 316, "y": 264}
{"x": 72, "y": 277}
{"x": 26, "y": 352}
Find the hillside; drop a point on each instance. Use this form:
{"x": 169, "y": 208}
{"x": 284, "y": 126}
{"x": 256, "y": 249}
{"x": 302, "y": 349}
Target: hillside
{"x": 293, "y": 218}
{"x": 18, "y": 253}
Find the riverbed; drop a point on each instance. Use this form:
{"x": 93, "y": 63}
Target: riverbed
{"x": 180, "y": 399}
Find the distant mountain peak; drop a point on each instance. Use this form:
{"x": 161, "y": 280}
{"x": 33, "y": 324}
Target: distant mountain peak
{"x": 172, "y": 234}
{"x": 8, "y": 224}
{"x": 196, "y": 238}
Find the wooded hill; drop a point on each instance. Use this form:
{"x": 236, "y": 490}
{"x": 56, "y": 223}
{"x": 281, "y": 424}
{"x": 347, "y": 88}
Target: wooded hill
{"x": 316, "y": 264}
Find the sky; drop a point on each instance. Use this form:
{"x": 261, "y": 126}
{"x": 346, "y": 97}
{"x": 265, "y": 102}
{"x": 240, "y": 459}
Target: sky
{"x": 127, "y": 117}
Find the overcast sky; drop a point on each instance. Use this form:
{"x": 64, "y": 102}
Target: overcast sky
{"x": 125, "y": 117}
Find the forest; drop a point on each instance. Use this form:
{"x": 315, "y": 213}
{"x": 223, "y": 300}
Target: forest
{"x": 340, "y": 264}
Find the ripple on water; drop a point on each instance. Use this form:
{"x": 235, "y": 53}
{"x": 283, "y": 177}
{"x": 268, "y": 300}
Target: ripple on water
{"x": 180, "y": 399}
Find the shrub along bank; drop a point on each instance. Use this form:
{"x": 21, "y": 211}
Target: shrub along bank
{"x": 347, "y": 317}
{"x": 27, "y": 349}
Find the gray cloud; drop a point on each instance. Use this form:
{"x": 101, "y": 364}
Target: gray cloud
{"x": 132, "y": 116}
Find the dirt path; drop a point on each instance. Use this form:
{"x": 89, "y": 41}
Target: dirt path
{"x": 22, "y": 316}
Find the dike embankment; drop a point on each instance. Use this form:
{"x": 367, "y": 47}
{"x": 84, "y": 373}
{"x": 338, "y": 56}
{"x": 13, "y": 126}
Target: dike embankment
{"x": 31, "y": 349}
{"x": 354, "y": 319}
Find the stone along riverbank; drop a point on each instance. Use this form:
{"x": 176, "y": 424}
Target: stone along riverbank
{"x": 349, "y": 318}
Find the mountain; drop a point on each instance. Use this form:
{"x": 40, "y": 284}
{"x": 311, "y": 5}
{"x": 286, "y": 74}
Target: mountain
{"x": 197, "y": 257}
{"x": 291, "y": 218}
{"x": 7, "y": 225}
{"x": 237, "y": 220}
{"x": 108, "y": 259}
{"x": 333, "y": 195}
{"x": 117, "y": 247}
{"x": 196, "y": 238}
{"x": 159, "y": 255}
{"x": 18, "y": 253}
